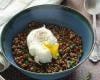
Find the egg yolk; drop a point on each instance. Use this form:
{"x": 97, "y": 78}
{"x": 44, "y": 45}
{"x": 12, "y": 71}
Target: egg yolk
{"x": 53, "y": 49}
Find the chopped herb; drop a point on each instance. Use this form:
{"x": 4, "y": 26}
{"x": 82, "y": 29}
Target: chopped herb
{"x": 26, "y": 61}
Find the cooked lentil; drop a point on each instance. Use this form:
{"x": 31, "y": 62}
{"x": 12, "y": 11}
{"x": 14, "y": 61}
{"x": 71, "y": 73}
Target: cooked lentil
{"x": 71, "y": 49}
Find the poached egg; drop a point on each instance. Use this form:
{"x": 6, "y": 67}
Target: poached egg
{"x": 42, "y": 45}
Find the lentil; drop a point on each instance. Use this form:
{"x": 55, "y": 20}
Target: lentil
{"x": 70, "y": 49}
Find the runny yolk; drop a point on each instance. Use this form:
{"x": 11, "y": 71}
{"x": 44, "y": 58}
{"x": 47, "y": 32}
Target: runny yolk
{"x": 53, "y": 49}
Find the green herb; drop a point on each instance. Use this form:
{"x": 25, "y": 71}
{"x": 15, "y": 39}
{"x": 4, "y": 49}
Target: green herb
{"x": 24, "y": 50}
{"x": 63, "y": 33}
{"x": 71, "y": 63}
{"x": 26, "y": 61}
